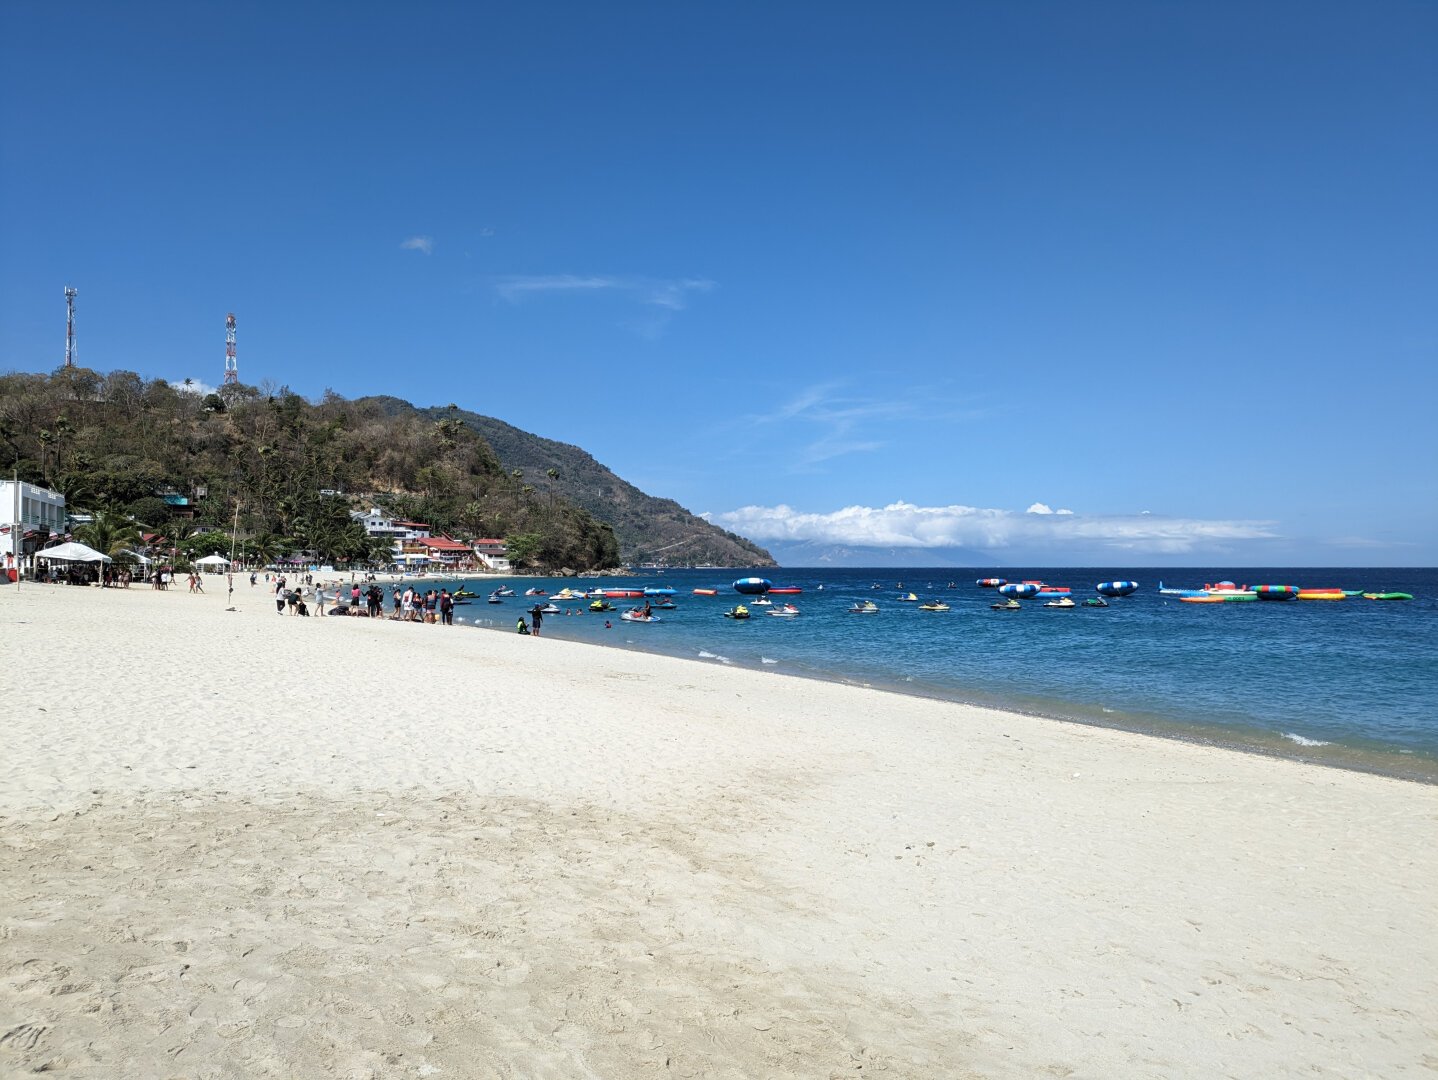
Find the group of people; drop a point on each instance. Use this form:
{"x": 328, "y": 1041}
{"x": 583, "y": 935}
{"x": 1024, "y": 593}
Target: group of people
{"x": 410, "y": 605}
{"x": 434, "y": 606}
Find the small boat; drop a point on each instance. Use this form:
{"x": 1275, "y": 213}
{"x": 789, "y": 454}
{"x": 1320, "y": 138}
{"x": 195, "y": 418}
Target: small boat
{"x": 600, "y": 605}
{"x": 910, "y": 599}
{"x": 934, "y": 605}
{"x": 761, "y": 602}
{"x": 564, "y": 595}
{"x": 536, "y": 592}
{"x": 639, "y": 616}
{"x": 1061, "y": 602}
{"x": 549, "y": 609}
{"x": 464, "y": 594}
{"x": 706, "y": 592}
{"x": 1008, "y": 605}
{"x": 1387, "y": 596}
{"x": 867, "y": 607}
{"x": 503, "y": 590}
{"x": 785, "y": 590}
{"x": 667, "y": 605}
{"x": 788, "y": 611}
{"x": 738, "y": 611}
{"x": 495, "y": 598}
{"x": 1095, "y": 601}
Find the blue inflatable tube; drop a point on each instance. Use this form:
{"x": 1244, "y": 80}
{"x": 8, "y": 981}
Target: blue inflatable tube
{"x": 1019, "y": 590}
{"x": 752, "y": 586}
{"x": 1117, "y": 588}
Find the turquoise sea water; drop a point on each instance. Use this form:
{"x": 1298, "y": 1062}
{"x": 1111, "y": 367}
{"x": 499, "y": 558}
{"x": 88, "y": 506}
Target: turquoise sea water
{"x": 1351, "y": 683}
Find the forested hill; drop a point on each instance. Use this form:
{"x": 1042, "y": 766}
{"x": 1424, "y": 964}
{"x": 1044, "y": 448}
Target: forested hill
{"x": 292, "y": 470}
{"x": 649, "y": 529}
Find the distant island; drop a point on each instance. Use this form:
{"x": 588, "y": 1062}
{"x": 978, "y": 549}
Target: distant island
{"x": 168, "y": 458}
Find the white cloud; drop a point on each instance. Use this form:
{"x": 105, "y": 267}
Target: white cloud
{"x": 902, "y": 524}
{"x": 419, "y": 243}
{"x": 199, "y": 389}
{"x": 672, "y": 295}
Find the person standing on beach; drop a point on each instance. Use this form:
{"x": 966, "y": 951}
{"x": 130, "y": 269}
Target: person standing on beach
{"x": 446, "y": 608}
{"x": 320, "y": 597}
{"x": 536, "y": 616}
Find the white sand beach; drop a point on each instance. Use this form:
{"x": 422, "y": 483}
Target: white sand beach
{"x": 243, "y": 845}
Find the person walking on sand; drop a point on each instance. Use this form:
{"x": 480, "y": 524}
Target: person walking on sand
{"x": 320, "y": 597}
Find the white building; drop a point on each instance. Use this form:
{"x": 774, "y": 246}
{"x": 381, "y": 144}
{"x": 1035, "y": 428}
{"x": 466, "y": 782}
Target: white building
{"x": 36, "y": 509}
{"x": 493, "y": 554}
{"x": 399, "y": 532}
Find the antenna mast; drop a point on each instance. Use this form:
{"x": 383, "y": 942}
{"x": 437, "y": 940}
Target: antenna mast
{"x": 232, "y": 370}
{"x": 70, "y": 350}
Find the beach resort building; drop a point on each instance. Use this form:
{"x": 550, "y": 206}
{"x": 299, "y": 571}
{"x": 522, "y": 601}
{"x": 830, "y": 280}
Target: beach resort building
{"x": 444, "y": 552}
{"x": 492, "y": 555}
{"x": 28, "y": 515}
{"x": 403, "y": 535}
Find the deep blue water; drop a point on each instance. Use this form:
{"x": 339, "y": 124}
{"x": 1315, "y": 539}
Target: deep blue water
{"x": 1352, "y": 683}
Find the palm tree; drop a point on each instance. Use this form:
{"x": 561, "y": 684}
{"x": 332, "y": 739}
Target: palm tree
{"x": 171, "y": 535}
{"x": 109, "y": 533}
{"x": 265, "y": 548}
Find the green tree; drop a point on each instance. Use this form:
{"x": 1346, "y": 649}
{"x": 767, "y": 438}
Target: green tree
{"x": 523, "y": 548}
{"x": 109, "y": 532}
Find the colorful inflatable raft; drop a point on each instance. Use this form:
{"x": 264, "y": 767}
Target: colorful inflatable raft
{"x": 1276, "y": 592}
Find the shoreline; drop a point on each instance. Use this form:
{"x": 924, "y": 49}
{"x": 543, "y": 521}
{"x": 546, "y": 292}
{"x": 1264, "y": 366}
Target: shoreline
{"x": 1250, "y": 738}
{"x": 268, "y": 842}
{"x": 1263, "y": 742}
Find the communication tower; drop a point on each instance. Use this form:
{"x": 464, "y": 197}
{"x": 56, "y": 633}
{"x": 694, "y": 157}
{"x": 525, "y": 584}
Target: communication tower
{"x": 70, "y": 350}
{"x": 232, "y": 370}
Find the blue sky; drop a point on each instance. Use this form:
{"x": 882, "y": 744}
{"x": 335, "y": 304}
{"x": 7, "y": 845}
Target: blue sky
{"x": 892, "y": 274}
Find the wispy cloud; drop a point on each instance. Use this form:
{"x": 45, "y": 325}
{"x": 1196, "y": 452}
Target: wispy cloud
{"x": 419, "y": 243}
{"x": 671, "y": 294}
{"x": 837, "y": 423}
{"x": 902, "y": 524}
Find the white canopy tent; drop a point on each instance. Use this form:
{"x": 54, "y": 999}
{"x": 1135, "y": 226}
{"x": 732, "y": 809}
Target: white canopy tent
{"x": 72, "y": 552}
{"x": 216, "y": 561}
{"x": 143, "y": 560}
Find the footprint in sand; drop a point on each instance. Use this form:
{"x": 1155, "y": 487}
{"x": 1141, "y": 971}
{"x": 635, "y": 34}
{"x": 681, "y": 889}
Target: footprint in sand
{"x": 23, "y": 1037}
